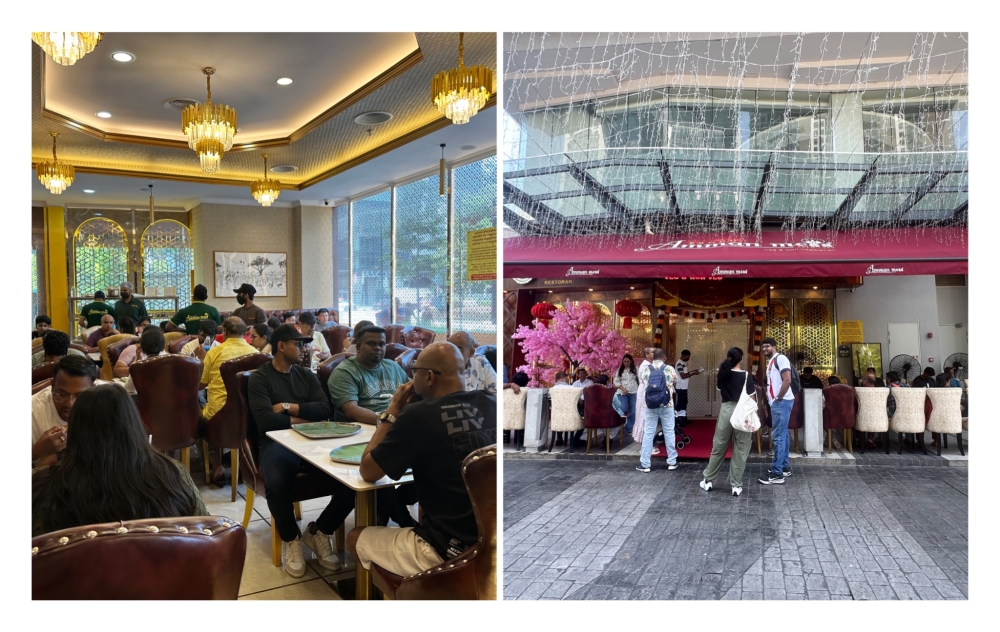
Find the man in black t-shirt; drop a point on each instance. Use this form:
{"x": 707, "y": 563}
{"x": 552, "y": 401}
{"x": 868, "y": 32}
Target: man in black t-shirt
{"x": 432, "y": 436}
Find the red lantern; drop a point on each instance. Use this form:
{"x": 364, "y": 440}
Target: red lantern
{"x": 543, "y": 312}
{"x": 628, "y": 309}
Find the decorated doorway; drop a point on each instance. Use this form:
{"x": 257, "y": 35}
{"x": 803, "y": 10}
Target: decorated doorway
{"x": 708, "y": 341}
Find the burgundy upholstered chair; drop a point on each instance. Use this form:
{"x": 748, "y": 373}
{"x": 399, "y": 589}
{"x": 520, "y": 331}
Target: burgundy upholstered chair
{"x": 335, "y": 338}
{"x": 406, "y": 360}
{"x": 175, "y": 346}
{"x": 394, "y": 350}
{"x": 394, "y": 334}
{"x": 225, "y": 427}
{"x": 325, "y": 369}
{"x": 796, "y": 420}
{"x": 115, "y": 349}
{"x": 84, "y": 349}
{"x": 43, "y": 372}
{"x": 167, "y": 388}
{"x": 41, "y": 386}
{"x": 197, "y": 557}
{"x": 473, "y": 574}
{"x": 599, "y": 413}
{"x": 840, "y": 410}
{"x": 417, "y": 337}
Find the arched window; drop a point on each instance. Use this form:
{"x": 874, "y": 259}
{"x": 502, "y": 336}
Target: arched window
{"x": 167, "y": 261}
{"x": 100, "y": 256}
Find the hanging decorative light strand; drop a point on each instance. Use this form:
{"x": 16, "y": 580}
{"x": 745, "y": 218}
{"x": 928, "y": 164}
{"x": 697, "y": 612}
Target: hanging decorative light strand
{"x": 461, "y": 92}
{"x": 54, "y": 174}
{"x": 209, "y": 128}
{"x": 265, "y": 190}
{"x": 67, "y": 48}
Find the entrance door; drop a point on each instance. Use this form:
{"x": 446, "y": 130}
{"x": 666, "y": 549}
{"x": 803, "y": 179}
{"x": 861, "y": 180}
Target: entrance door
{"x": 904, "y": 338}
{"x": 708, "y": 349}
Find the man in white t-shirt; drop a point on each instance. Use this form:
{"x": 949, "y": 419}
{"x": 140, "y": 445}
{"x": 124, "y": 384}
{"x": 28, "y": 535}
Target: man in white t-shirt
{"x": 781, "y": 398}
{"x": 198, "y": 347}
{"x": 682, "y": 383}
{"x": 51, "y": 406}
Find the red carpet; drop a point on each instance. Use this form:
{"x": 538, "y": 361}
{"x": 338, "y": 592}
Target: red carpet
{"x": 701, "y": 433}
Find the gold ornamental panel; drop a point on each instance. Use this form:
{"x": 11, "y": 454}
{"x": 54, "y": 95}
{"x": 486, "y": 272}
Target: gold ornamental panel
{"x": 167, "y": 261}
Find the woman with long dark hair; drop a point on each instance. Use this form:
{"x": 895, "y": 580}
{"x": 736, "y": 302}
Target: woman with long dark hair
{"x": 627, "y": 381}
{"x": 731, "y": 382}
{"x": 109, "y": 471}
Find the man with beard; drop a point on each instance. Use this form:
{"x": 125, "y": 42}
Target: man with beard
{"x": 129, "y": 305}
{"x": 250, "y": 313}
{"x": 362, "y": 386}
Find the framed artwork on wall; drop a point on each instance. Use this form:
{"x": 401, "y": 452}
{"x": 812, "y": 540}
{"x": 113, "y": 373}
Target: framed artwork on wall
{"x": 266, "y": 271}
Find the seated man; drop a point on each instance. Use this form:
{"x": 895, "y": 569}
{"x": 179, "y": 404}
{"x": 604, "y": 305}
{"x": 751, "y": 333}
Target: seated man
{"x": 91, "y": 313}
{"x": 42, "y": 324}
{"x": 361, "y": 386}
{"x": 50, "y": 408}
{"x": 154, "y": 345}
{"x": 320, "y": 350}
{"x": 55, "y": 346}
{"x": 282, "y": 393}
{"x": 288, "y": 318}
{"x": 431, "y": 436}
{"x": 198, "y": 347}
{"x": 477, "y": 372}
{"x": 809, "y": 380}
{"x": 191, "y": 316}
{"x": 323, "y": 320}
{"x": 107, "y": 329}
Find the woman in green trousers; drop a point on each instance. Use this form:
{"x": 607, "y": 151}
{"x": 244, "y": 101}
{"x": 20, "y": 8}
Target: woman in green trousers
{"x": 730, "y": 381}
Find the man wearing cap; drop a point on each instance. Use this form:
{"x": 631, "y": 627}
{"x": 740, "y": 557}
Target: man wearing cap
{"x": 250, "y": 313}
{"x": 191, "y": 316}
{"x": 280, "y": 394}
{"x": 320, "y": 350}
{"x": 91, "y": 313}
{"x": 129, "y": 305}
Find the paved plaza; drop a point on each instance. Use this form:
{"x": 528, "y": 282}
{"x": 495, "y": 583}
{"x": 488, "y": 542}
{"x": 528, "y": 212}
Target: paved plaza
{"x": 585, "y": 529}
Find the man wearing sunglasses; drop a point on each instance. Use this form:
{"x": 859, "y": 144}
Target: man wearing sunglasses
{"x": 430, "y": 426}
{"x": 50, "y": 407}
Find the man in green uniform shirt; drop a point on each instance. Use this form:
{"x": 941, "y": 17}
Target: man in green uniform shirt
{"x": 90, "y": 315}
{"x": 362, "y": 386}
{"x": 129, "y": 305}
{"x": 192, "y": 315}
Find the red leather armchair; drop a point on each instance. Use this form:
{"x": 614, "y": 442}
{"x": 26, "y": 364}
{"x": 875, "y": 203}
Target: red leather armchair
{"x": 224, "y": 430}
{"x": 84, "y": 349}
{"x": 198, "y": 557}
{"x": 167, "y": 388}
{"x": 473, "y": 574}
{"x": 394, "y": 334}
{"x": 797, "y": 420}
{"x": 335, "y": 338}
{"x": 175, "y": 346}
{"x": 840, "y": 409}
{"x": 43, "y": 372}
{"x": 417, "y": 337}
{"x": 325, "y": 369}
{"x": 599, "y": 413}
{"x": 115, "y": 349}
{"x": 406, "y": 360}
{"x": 393, "y": 351}
{"x": 41, "y": 386}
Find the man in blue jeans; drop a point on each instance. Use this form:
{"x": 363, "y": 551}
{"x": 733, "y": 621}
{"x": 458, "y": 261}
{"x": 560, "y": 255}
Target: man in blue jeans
{"x": 781, "y": 398}
{"x": 663, "y": 414}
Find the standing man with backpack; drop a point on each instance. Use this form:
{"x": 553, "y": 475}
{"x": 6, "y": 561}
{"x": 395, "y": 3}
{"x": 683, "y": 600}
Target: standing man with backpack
{"x": 781, "y": 389}
{"x": 660, "y": 380}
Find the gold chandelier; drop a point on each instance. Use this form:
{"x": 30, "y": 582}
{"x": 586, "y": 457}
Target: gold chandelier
{"x": 461, "y": 92}
{"x": 54, "y": 174}
{"x": 209, "y": 128}
{"x": 265, "y": 190}
{"x": 67, "y": 48}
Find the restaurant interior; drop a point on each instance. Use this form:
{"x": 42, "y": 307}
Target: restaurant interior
{"x": 347, "y": 176}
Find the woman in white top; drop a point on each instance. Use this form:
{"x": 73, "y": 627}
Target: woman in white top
{"x": 627, "y": 382}
{"x": 640, "y": 393}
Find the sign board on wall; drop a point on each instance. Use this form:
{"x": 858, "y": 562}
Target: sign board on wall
{"x": 850, "y": 331}
{"x": 482, "y": 255}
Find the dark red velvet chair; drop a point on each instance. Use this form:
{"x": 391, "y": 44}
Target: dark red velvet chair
{"x": 394, "y": 334}
{"x": 41, "y": 386}
{"x": 115, "y": 349}
{"x": 325, "y": 370}
{"x": 393, "y": 351}
{"x": 224, "y": 430}
{"x": 197, "y": 557}
{"x": 406, "y": 360}
{"x": 796, "y": 420}
{"x": 840, "y": 410}
{"x": 175, "y": 346}
{"x": 473, "y": 574}
{"x": 167, "y": 389}
{"x": 599, "y": 413}
{"x": 417, "y": 337}
{"x": 335, "y": 338}
{"x": 43, "y": 372}
{"x": 84, "y": 349}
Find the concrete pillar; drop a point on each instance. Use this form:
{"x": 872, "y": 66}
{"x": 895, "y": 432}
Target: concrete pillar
{"x": 813, "y": 403}
{"x": 536, "y": 420}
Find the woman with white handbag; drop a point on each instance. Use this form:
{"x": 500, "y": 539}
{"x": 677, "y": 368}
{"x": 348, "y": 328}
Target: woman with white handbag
{"x": 737, "y": 421}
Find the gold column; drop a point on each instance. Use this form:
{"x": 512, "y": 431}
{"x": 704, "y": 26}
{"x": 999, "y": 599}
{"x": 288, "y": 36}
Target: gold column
{"x": 364, "y": 516}
{"x": 56, "y": 272}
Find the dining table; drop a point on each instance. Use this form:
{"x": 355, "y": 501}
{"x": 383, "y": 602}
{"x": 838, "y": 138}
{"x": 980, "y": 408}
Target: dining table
{"x": 317, "y": 452}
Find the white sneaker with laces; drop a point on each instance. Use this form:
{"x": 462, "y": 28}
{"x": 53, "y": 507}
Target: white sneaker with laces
{"x": 319, "y": 543}
{"x": 706, "y": 485}
{"x": 737, "y": 491}
{"x": 291, "y": 558}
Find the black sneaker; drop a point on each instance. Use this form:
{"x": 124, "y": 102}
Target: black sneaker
{"x": 640, "y": 468}
{"x": 771, "y": 479}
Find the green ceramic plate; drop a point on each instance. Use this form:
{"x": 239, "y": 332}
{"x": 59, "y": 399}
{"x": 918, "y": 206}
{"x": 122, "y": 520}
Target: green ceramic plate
{"x": 350, "y": 454}
{"x": 326, "y": 430}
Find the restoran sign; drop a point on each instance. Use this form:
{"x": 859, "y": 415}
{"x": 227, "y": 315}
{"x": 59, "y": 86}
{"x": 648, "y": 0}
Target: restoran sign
{"x": 686, "y": 244}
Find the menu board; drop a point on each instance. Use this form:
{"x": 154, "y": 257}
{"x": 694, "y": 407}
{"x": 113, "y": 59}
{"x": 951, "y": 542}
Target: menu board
{"x": 482, "y": 255}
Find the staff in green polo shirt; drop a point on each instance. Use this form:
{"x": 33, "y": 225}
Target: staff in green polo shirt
{"x": 129, "y": 305}
{"x": 90, "y": 315}
{"x": 192, "y": 315}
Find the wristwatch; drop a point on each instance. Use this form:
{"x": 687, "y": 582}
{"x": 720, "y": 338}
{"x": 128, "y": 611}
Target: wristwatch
{"x": 285, "y": 406}
{"x": 384, "y": 417}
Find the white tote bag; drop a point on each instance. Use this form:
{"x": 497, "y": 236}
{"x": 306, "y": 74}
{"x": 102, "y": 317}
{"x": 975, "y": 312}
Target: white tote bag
{"x": 745, "y": 416}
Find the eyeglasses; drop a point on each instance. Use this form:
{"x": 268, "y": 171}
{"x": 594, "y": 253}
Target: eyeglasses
{"x": 62, "y": 397}
{"x": 423, "y": 368}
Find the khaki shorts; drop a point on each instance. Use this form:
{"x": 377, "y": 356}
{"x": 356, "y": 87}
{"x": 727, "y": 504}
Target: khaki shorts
{"x": 397, "y": 550}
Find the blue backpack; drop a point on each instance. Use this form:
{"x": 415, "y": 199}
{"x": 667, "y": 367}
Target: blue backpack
{"x": 657, "y": 394}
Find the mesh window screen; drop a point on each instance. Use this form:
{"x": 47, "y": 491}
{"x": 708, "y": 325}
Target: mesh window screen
{"x": 422, "y": 255}
{"x": 372, "y": 259}
{"x": 474, "y": 302}
{"x": 167, "y": 261}
{"x": 342, "y": 264}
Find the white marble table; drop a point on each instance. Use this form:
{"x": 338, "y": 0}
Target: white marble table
{"x": 317, "y": 452}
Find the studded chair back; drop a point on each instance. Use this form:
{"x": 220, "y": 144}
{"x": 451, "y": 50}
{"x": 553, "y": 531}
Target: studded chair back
{"x": 226, "y": 428}
{"x": 417, "y": 337}
{"x": 325, "y": 370}
{"x": 41, "y": 386}
{"x": 336, "y": 337}
{"x": 840, "y": 408}
{"x": 81, "y": 348}
{"x": 198, "y": 557}
{"x": 43, "y": 372}
{"x": 103, "y": 344}
{"x": 171, "y": 336}
{"x": 406, "y": 360}
{"x": 115, "y": 349}
{"x": 393, "y": 351}
{"x": 167, "y": 387}
{"x": 175, "y": 345}
{"x": 872, "y": 414}
{"x": 394, "y": 334}
{"x": 490, "y": 353}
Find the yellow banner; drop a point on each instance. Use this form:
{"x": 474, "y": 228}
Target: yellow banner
{"x": 482, "y": 255}
{"x": 850, "y": 331}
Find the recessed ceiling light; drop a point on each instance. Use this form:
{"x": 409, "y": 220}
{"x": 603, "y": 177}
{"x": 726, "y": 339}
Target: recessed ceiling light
{"x": 103, "y": 114}
{"x": 284, "y": 81}
{"x": 815, "y": 287}
{"x": 772, "y": 287}
{"x": 284, "y": 168}
{"x": 590, "y": 289}
{"x": 98, "y": 214}
{"x": 550, "y": 291}
{"x": 88, "y": 190}
{"x": 467, "y": 147}
{"x": 372, "y": 118}
{"x": 123, "y": 56}
{"x": 632, "y": 287}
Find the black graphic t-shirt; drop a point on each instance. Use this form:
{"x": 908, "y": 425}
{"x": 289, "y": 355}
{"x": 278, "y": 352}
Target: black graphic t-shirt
{"x": 433, "y": 436}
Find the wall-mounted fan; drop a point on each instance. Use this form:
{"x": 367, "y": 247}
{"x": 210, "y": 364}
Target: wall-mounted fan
{"x": 907, "y": 366}
{"x": 959, "y": 362}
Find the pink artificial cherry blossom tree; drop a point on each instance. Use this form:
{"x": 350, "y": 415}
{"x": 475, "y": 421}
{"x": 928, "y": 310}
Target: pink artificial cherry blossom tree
{"x": 575, "y": 337}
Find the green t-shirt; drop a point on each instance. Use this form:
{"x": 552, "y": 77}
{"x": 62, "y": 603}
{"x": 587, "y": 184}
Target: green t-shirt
{"x": 94, "y": 311}
{"x": 370, "y": 388}
{"x": 135, "y": 309}
{"x": 192, "y": 315}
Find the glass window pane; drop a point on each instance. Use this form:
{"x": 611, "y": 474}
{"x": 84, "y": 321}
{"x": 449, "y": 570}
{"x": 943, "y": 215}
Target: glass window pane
{"x": 474, "y": 302}
{"x": 341, "y": 264}
{"x": 372, "y": 259}
{"x": 422, "y": 255}
{"x": 167, "y": 261}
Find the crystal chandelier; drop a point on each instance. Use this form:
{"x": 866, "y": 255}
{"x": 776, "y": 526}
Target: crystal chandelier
{"x": 209, "y": 128}
{"x": 54, "y": 174}
{"x": 265, "y": 190}
{"x": 67, "y": 48}
{"x": 461, "y": 92}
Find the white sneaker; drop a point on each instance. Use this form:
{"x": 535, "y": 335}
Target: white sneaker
{"x": 291, "y": 558}
{"x": 319, "y": 543}
{"x": 673, "y": 466}
{"x": 737, "y": 491}
{"x": 706, "y": 485}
